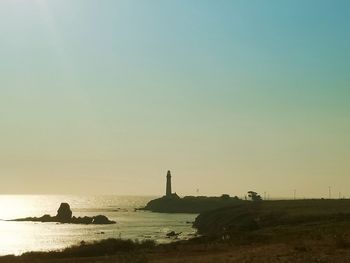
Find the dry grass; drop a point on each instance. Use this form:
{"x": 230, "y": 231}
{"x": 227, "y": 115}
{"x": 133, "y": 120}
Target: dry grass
{"x": 308, "y": 251}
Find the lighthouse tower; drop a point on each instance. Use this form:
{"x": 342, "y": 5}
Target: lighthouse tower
{"x": 168, "y": 184}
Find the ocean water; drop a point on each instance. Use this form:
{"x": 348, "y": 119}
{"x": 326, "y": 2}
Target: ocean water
{"x": 19, "y": 237}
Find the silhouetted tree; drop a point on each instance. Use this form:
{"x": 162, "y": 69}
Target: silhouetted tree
{"x": 254, "y": 196}
{"x": 225, "y": 196}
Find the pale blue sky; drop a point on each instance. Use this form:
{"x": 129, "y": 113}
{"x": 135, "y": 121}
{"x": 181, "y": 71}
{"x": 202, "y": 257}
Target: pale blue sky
{"x": 230, "y": 95}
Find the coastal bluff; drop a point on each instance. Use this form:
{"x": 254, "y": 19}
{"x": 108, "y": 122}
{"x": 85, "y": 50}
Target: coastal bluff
{"x": 189, "y": 204}
{"x": 64, "y": 215}
{"x": 172, "y": 203}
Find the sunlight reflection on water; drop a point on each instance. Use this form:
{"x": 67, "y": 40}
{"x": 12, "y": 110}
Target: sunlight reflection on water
{"x": 19, "y": 237}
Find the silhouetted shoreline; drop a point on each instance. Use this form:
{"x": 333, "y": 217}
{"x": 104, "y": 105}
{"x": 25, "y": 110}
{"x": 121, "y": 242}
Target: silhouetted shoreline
{"x": 267, "y": 231}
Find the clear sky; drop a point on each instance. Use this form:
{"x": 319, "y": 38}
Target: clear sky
{"x": 105, "y": 96}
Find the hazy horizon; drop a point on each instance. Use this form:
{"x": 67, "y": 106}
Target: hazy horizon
{"x": 103, "y": 97}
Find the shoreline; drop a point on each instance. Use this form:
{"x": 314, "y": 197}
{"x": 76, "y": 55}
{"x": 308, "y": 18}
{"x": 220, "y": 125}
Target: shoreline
{"x": 291, "y": 231}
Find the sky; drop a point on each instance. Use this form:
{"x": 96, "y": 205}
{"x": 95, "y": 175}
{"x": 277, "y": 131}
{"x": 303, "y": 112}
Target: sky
{"x": 103, "y": 97}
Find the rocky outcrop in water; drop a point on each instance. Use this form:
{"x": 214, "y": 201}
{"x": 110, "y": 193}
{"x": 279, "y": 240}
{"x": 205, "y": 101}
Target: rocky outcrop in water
{"x": 173, "y": 234}
{"x": 64, "y": 215}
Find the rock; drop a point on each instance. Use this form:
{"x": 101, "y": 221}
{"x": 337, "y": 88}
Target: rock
{"x": 173, "y": 234}
{"x": 64, "y": 214}
{"x": 101, "y": 220}
{"x": 82, "y": 220}
{"x": 85, "y": 220}
{"x": 45, "y": 218}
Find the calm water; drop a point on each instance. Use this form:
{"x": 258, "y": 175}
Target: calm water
{"x": 19, "y": 237}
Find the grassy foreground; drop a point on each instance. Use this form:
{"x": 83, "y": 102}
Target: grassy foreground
{"x": 276, "y": 231}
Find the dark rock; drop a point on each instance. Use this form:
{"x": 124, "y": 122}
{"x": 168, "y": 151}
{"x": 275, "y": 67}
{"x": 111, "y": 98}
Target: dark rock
{"x": 64, "y": 214}
{"x": 101, "y": 220}
{"x": 173, "y": 234}
{"x": 45, "y": 218}
{"x": 82, "y": 220}
{"x": 86, "y": 220}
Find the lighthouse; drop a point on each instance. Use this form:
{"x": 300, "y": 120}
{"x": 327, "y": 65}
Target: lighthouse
{"x": 168, "y": 184}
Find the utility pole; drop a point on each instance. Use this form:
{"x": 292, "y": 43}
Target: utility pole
{"x": 330, "y": 192}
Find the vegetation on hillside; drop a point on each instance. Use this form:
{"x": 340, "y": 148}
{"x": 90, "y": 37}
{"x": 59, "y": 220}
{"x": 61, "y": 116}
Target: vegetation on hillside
{"x": 248, "y": 217}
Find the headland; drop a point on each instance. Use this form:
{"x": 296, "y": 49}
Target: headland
{"x": 172, "y": 203}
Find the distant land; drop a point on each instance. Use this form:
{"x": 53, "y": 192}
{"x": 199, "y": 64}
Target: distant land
{"x": 190, "y": 204}
{"x": 172, "y": 203}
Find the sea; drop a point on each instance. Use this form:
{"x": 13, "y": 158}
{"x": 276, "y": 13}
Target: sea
{"x": 17, "y": 238}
